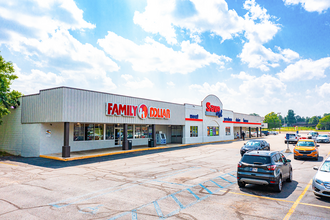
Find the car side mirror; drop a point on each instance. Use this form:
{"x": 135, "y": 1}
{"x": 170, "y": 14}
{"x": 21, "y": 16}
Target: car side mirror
{"x": 244, "y": 143}
{"x": 315, "y": 168}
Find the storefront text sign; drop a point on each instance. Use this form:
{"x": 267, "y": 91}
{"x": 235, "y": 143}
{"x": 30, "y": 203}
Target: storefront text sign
{"x": 213, "y": 110}
{"x": 142, "y": 111}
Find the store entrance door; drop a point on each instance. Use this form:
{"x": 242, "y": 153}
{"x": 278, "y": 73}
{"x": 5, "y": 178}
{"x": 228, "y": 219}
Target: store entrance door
{"x": 176, "y": 136}
{"x": 118, "y": 136}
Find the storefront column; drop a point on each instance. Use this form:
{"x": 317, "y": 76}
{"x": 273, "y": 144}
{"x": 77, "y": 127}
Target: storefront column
{"x": 249, "y": 132}
{"x": 125, "y": 141}
{"x": 66, "y": 147}
{"x": 260, "y": 131}
{"x": 240, "y": 132}
{"x": 257, "y": 132}
{"x": 154, "y": 134}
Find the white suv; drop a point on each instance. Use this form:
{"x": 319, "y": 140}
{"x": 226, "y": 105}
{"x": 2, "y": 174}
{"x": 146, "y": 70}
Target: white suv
{"x": 293, "y": 138}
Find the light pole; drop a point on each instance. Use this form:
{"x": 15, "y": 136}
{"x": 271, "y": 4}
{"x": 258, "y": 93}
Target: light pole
{"x": 279, "y": 129}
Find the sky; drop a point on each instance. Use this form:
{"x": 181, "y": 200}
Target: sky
{"x": 257, "y": 56}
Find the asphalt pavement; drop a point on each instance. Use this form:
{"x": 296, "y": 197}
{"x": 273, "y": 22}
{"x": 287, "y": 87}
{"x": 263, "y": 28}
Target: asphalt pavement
{"x": 191, "y": 182}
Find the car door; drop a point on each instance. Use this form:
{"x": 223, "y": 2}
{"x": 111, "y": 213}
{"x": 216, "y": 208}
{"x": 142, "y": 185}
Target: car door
{"x": 285, "y": 166}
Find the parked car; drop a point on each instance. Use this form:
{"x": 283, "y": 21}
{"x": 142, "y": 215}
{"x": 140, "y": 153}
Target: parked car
{"x": 264, "y": 168}
{"x": 321, "y": 180}
{"x": 254, "y": 145}
{"x": 323, "y": 138}
{"x": 306, "y": 148}
{"x": 266, "y": 133}
{"x": 312, "y": 135}
{"x": 293, "y": 138}
{"x": 273, "y": 132}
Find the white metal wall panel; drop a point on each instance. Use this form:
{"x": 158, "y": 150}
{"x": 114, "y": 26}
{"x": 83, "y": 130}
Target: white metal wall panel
{"x": 47, "y": 106}
{"x": 89, "y": 107}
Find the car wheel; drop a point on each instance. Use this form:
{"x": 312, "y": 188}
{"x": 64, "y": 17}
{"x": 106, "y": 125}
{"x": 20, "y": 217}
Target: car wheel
{"x": 278, "y": 186}
{"x": 295, "y": 158}
{"x": 290, "y": 177}
{"x": 241, "y": 184}
{"x": 317, "y": 158}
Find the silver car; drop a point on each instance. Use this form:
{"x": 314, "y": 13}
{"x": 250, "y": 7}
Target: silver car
{"x": 321, "y": 180}
{"x": 323, "y": 138}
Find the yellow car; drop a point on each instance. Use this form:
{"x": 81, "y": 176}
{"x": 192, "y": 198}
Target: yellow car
{"x": 306, "y": 148}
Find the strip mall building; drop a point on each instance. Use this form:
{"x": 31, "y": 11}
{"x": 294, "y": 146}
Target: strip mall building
{"x": 68, "y": 119}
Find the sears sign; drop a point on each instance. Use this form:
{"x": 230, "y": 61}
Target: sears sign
{"x": 213, "y": 110}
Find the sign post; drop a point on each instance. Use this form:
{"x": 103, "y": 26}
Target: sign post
{"x": 287, "y": 147}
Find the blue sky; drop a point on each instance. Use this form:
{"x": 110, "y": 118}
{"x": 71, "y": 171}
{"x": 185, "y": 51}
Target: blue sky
{"x": 257, "y": 56}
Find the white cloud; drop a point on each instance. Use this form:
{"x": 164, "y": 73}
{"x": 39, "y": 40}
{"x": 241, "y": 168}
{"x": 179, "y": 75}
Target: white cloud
{"x": 213, "y": 15}
{"x": 41, "y": 18}
{"x": 265, "y": 86}
{"x": 213, "y": 89}
{"x": 41, "y": 34}
{"x": 171, "y": 84}
{"x": 133, "y": 83}
{"x": 154, "y": 56}
{"x": 243, "y": 75}
{"x": 254, "y": 53}
{"x": 37, "y": 80}
{"x": 311, "y": 5}
{"x": 305, "y": 70}
{"x": 324, "y": 90}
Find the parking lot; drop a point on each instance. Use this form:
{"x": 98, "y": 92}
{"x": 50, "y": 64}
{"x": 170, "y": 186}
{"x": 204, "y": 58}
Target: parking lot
{"x": 192, "y": 182}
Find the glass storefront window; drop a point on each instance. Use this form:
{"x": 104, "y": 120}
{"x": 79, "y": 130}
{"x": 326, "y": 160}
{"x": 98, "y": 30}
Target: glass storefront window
{"x": 213, "y": 131}
{"x": 89, "y": 132}
{"x": 137, "y": 131}
{"x": 144, "y": 131}
{"x": 150, "y": 132}
{"x": 78, "y": 133}
{"x": 98, "y": 131}
{"x": 109, "y": 132}
{"x": 129, "y": 131}
{"x": 193, "y": 131}
{"x": 227, "y": 130}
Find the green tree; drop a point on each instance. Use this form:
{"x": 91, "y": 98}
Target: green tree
{"x": 313, "y": 120}
{"x": 8, "y": 99}
{"x": 324, "y": 123}
{"x": 326, "y": 114}
{"x": 281, "y": 119}
{"x": 254, "y": 114}
{"x": 272, "y": 120}
{"x": 290, "y": 118}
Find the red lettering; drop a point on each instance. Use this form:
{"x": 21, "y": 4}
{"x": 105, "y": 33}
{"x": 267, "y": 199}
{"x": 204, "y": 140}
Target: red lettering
{"x": 122, "y": 109}
{"x": 109, "y": 108}
{"x": 168, "y": 113}
{"x": 115, "y": 109}
{"x": 134, "y": 110}
{"x": 208, "y": 109}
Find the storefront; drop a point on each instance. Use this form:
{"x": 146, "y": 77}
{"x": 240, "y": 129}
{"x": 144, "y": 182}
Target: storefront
{"x": 68, "y": 119}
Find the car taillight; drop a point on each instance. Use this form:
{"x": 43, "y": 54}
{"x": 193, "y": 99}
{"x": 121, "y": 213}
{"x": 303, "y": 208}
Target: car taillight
{"x": 239, "y": 165}
{"x": 271, "y": 167}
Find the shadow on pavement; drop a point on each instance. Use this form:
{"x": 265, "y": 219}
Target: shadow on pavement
{"x": 268, "y": 191}
{"x": 55, "y": 164}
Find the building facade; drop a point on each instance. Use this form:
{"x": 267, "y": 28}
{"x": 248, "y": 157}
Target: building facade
{"x": 67, "y": 119}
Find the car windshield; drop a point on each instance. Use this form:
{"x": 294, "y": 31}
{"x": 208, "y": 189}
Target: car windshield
{"x": 306, "y": 144}
{"x": 292, "y": 135}
{"x": 323, "y": 135}
{"x": 325, "y": 167}
{"x": 252, "y": 143}
{"x": 251, "y": 159}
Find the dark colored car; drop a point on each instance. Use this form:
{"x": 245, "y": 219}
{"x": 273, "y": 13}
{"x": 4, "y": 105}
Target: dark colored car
{"x": 266, "y": 133}
{"x": 264, "y": 168}
{"x": 254, "y": 145}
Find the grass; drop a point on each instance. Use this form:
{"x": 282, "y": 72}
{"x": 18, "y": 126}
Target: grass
{"x": 293, "y": 129}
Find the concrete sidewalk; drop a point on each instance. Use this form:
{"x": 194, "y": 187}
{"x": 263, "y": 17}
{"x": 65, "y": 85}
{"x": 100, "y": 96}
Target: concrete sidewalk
{"x": 79, "y": 155}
